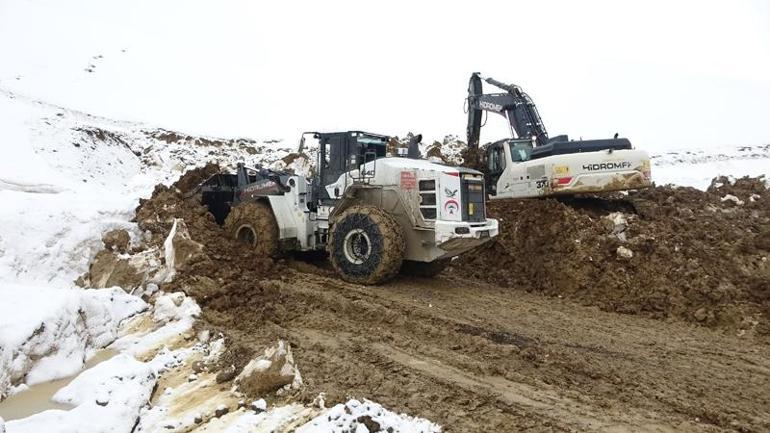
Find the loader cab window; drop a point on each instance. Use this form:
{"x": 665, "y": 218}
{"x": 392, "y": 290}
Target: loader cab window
{"x": 521, "y": 151}
{"x": 372, "y": 147}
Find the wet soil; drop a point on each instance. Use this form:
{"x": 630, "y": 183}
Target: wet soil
{"x": 695, "y": 256}
{"x": 479, "y": 348}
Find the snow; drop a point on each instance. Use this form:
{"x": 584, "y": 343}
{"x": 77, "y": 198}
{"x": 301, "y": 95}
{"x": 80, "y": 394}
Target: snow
{"x": 48, "y": 333}
{"x": 696, "y": 168}
{"x": 174, "y": 314}
{"x": 346, "y": 417}
{"x": 107, "y": 398}
{"x": 65, "y": 178}
{"x": 260, "y": 404}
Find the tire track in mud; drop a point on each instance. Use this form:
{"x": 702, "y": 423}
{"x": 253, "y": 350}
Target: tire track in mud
{"x": 452, "y": 350}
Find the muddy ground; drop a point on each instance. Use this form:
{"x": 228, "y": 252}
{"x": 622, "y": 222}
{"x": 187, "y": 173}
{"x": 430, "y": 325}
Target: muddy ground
{"x": 480, "y": 348}
{"x": 663, "y": 252}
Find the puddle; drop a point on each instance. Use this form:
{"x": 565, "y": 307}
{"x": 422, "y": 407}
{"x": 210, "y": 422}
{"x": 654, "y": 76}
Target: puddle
{"x": 38, "y": 397}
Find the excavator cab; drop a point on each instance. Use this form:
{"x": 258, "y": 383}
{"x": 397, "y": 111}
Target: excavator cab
{"x": 521, "y": 150}
{"x": 499, "y": 154}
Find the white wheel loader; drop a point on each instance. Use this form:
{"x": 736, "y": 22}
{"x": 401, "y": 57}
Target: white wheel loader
{"x": 532, "y": 164}
{"x": 375, "y": 215}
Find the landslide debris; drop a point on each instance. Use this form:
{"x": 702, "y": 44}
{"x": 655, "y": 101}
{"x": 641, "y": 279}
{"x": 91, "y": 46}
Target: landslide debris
{"x": 662, "y": 252}
{"x": 211, "y": 262}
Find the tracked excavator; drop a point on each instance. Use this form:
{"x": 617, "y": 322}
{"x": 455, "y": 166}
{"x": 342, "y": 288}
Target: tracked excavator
{"x": 533, "y": 164}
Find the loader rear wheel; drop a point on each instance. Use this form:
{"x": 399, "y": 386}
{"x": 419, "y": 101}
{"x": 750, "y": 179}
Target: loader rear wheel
{"x": 254, "y": 224}
{"x": 366, "y": 245}
{"x": 424, "y": 269}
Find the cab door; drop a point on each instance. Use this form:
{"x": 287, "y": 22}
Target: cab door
{"x": 495, "y": 160}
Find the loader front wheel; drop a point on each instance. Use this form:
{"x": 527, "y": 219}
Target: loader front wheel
{"x": 255, "y": 225}
{"x": 366, "y": 246}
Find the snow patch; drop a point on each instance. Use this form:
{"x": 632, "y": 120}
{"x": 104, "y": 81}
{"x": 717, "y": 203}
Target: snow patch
{"x": 173, "y": 316}
{"x": 108, "y": 398}
{"x": 47, "y": 334}
{"x": 355, "y": 415}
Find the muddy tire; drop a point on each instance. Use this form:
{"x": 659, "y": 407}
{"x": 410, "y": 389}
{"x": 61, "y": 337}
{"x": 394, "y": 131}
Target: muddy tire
{"x": 424, "y": 269}
{"x": 366, "y": 245}
{"x": 254, "y": 224}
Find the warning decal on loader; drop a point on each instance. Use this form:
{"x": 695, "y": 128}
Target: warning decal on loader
{"x": 408, "y": 180}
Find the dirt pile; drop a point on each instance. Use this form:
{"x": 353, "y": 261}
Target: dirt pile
{"x": 217, "y": 264}
{"x": 663, "y": 252}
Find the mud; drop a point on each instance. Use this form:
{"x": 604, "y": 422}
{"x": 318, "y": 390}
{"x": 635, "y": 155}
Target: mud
{"x": 221, "y": 263}
{"x": 478, "y": 348}
{"x": 695, "y": 257}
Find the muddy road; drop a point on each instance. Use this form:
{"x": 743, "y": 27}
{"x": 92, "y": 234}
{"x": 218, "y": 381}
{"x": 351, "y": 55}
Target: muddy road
{"x": 477, "y": 357}
{"x": 549, "y": 328}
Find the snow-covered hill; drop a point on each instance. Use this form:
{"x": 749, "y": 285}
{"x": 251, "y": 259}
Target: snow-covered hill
{"x": 67, "y": 176}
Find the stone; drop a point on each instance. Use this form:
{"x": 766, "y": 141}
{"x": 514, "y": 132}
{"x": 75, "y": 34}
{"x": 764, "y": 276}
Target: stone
{"x": 226, "y": 374}
{"x": 624, "y": 253}
{"x": 221, "y": 410}
{"x": 116, "y": 240}
{"x": 269, "y": 372}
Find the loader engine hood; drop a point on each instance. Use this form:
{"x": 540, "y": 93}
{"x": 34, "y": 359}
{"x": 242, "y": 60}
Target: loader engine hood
{"x": 440, "y": 192}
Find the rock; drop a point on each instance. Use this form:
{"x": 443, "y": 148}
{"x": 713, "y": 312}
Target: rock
{"x": 258, "y": 405}
{"x": 198, "y": 418}
{"x": 193, "y": 377}
{"x": 729, "y": 198}
{"x": 226, "y": 374}
{"x": 221, "y": 410}
{"x": 616, "y": 224}
{"x": 198, "y": 367}
{"x": 624, "y": 253}
{"x": 269, "y": 372}
{"x": 371, "y": 425}
{"x": 701, "y": 314}
{"x": 180, "y": 249}
{"x": 116, "y": 240}
{"x": 107, "y": 270}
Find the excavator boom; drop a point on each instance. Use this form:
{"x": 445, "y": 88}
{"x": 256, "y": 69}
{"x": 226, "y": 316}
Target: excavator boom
{"x": 515, "y": 105}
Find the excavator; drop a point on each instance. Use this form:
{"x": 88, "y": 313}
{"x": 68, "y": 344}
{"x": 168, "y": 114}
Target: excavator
{"x": 533, "y": 164}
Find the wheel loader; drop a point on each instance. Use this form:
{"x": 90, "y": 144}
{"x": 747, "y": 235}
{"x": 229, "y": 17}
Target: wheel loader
{"x": 532, "y": 164}
{"x": 375, "y": 214}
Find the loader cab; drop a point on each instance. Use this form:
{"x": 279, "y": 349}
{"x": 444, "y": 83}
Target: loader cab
{"x": 342, "y": 152}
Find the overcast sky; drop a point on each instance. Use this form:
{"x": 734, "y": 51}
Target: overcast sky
{"x": 666, "y": 74}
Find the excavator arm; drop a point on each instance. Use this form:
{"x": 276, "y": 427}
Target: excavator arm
{"x": 515, "y": 105}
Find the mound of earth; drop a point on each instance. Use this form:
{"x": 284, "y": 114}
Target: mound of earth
{"x": 662, "y": 252}
{"x": 222, "y": 263}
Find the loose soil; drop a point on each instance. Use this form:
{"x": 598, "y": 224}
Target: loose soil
{"x": 479, "y": 348}
{"x": 696, "y": 256}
